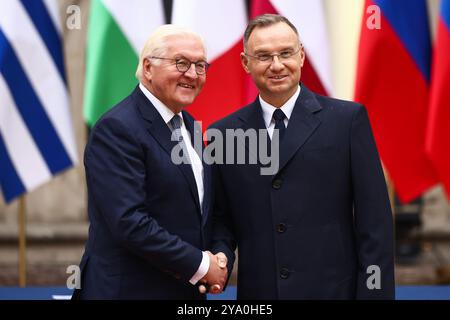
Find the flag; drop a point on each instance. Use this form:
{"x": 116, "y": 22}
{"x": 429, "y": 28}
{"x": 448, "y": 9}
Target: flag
{"x": 392, "y": 81}
{"x": 36, "y": 137}
{"x": 117, "y": 31}
{"x": 438, "y": 128}
{"x": 221, "y": 23}
{"x": 308, "y": 17}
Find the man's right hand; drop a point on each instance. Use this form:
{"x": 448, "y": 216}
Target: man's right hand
{"x": 214, "y": 280}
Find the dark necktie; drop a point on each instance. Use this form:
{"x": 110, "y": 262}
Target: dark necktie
{"x": 175, "y": 122}
{"x": 279, "y": 116}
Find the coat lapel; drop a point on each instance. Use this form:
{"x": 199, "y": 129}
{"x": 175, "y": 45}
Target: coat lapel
{"x": 161, "y": 132}
{"x": 302, "y": 124}
{"x": 254, "y": 120}
{"x": 195, "y": 132}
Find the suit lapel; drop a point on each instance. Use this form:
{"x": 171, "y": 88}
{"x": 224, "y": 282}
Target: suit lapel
{"x": 207, "y": 186}
{"x": 195, "y": 132}
{"x": 302, "y": 124}
{"x": 254, "y": 120}
{"x": 161, "y": 132}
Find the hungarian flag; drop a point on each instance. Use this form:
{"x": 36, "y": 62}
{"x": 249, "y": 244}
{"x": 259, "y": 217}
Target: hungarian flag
{"x": 392, "y": 81}
{"x": 308, "y": 17}
{"x": 117, "y": 31}
{"x": 438, "y": 129}
{"x": 221, "y": 23}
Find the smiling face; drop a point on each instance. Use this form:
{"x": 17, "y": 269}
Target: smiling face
{"x": 162, "y": 78}
{"x": 276, "y": 80}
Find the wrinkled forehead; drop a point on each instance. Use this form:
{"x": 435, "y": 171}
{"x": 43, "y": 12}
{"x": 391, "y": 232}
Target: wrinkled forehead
{"x": 186, "y": 45}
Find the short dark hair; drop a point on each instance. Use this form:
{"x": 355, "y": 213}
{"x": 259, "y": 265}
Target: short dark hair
{"x": 265, "y": 20}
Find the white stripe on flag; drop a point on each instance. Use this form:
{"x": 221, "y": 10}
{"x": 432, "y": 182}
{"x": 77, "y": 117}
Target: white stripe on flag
{"x": 40, "y": 70}
{"x": 221, "y": 23}
{"x": 309, "y": 17}
{"x": 22, "y": 150}
{"x": 136, "y": 18}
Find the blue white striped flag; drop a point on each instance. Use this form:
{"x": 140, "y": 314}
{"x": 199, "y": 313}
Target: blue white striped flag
{"x": 36, "y": 136}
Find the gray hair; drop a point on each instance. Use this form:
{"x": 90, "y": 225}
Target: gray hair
{"x": 266, "y": 20}
{"x": 156, "y": 44}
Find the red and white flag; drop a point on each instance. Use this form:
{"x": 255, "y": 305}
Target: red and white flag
{"x": 221, "y": 23}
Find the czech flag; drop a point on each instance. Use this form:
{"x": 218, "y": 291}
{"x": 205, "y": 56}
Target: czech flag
{"x": 438, "y": 130}
{"x": 393, "y": 76}
{"x": 221, "y": 23}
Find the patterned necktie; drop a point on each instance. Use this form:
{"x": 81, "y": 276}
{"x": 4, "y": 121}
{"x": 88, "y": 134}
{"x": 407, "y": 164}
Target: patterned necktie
{"x": 279, "y": 116}
{"x": 175, "y": 122}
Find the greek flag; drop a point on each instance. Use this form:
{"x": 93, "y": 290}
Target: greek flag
{"x": 36, "y": 136}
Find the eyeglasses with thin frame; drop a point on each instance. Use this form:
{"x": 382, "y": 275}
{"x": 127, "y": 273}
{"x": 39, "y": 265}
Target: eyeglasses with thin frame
{"x": 184, "y": 64}
{"x": 284, "y": 55}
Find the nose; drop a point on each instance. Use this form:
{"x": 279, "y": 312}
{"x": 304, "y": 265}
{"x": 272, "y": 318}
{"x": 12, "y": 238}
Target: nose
{"x": 191, "y": 73}
{"x": 276, "y": 64}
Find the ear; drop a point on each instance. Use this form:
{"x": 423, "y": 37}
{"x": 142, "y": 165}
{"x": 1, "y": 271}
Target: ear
{"x": 244, "y": 62}
{"x": 302, "y": 56}
{"x": 147, "y": 69}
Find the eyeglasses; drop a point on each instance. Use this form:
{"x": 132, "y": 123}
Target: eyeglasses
{"x": 282, "y": 56}
{"x": 184, "y": 64}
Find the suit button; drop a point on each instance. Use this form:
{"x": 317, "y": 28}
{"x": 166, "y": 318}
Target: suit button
{"x": 281, "y": 228}
{"x": 276, "y": 184}
{"x": 284, "y": 273}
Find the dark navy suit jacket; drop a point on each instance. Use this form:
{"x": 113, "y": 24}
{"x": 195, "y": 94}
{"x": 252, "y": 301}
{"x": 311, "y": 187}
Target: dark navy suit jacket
{"x": 146, "y": 228}
{"x": 311, "y": 230}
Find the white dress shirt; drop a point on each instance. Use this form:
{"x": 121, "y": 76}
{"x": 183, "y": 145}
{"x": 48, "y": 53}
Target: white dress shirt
{"x": 268, "y": 110}
{"x": 195, "y": 161}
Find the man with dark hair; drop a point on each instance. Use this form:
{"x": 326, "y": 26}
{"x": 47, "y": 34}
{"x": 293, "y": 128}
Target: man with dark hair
{"x": 321, "y": 226}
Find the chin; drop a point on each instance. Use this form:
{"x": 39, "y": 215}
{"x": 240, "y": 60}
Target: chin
{"x": 282, "y": 88}
{"x": 183, "y": 103}
{"x": 278, "y": 89}
{"x": 187, "y": 101}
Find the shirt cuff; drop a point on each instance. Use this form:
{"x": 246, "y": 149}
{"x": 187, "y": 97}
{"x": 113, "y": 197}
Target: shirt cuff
{"x": 202, "y": 269}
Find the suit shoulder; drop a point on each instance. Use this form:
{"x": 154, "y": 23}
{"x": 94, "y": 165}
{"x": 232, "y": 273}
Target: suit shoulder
{"x": 339, "y": 106}
{"x": 122, "y": 112}
{"x": 121, "y": 122}
{"x": 347, "y": 104}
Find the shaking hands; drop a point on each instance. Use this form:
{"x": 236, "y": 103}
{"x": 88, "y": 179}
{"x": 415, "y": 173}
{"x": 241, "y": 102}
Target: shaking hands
{"x": 214, "y": 281}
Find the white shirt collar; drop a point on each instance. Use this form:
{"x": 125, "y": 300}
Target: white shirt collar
{"x": 163, "y": 110}
{"x": 268, "y": 109}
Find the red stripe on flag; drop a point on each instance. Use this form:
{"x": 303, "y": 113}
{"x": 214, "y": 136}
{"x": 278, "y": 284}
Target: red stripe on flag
{"x": 259, "y": 7}
{"x": 310, "y": 78}
{"x": 438, "y": 130}
{"x": 223, "y": 92}
{"x": 393, "y": 90}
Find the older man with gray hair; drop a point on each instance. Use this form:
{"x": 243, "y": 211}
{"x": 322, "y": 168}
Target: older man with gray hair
{"x": 149, "y": 217}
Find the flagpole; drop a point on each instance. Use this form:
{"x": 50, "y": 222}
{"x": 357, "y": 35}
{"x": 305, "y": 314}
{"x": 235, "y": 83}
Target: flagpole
{"x": 22, "y": 243}
{"x": 391, "y": 192}
{"x": 390, "y": 188}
